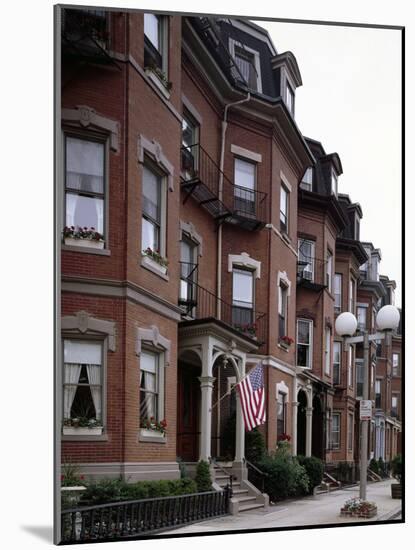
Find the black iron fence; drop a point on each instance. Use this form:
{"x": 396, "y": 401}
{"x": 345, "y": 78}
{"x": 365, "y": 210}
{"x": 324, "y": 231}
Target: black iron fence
{"x": 133, "y": 518}
{"x": 256, "y": 476}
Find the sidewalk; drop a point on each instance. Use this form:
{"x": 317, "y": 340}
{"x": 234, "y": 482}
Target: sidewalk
{"x": 314, "y": 510}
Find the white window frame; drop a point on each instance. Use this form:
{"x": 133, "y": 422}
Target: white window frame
{"x": 334, "y": 182}
{"x": 289, "y": 97}
{"x": 350, "y": 367}
{"x": 329, "y": 270}
{"x": 352, "y": 299}
{"x": 307, "y": 179}
{"x": 338, "y": 277}
{"x": 163, "y": 38}
{"x": 310, "y": 344}
{"x": 232, "y": 44}
{"x": 301, "y": 241}
{"x": 337, "y": 445}
{"x": 361, "y": 308}
{"x": 336, "y": 344}
{"x": 327, "y": 351}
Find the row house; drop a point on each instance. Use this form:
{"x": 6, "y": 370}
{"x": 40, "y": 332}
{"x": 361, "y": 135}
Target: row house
{"x": 219, "y": 239}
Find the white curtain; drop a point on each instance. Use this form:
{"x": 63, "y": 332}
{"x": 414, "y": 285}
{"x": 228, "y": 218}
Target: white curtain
{"x": 94, "y": 377}
{"x": 148, "y": 398}
{"x": 72, "y": 372}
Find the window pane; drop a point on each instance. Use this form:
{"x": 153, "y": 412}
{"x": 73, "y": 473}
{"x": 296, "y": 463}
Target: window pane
{"x": 244, "y": 174}
{"x": 189, "y": 132}
{"x": 303, "y": 332}
{"x": 84, "y": 165}
{"x": 82, "y": 352}
{"x": 148, "y": 405}
{"x": 246, "y": 64}
{"x": 148, "y": 362}
{"x": 149, "y": 235}
{"x": 85, "y": 212}
{"x": 242, "y": 288}
{"x": 290, "y": 99}
{"x": 152, "y": 29}
{"x": 151, "y": 194}
{"x": 283, "y": 201}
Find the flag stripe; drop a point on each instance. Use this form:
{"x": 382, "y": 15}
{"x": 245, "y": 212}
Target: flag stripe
{"x": 252, "y": 394}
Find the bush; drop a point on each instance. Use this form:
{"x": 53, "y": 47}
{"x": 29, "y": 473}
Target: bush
{"x": 115, "y": 490}
{"x": 203, "y": 479}
{"x": 285, "y": 476}
{"x": 383, "y": 468}
{"x": 396, "y": 465}
{"x": 374, "y": 466}
{"x": 314, "y": 468}
{"x": 254, "y": 446}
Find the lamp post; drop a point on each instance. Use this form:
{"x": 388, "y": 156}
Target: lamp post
{"x": 387, "y": 320}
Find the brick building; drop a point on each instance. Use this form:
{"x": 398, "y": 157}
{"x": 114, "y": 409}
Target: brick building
{"x": 224, "y": 241}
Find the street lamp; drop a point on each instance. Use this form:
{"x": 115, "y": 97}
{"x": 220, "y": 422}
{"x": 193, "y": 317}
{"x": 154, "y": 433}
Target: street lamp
{"x": 387, "y": 320}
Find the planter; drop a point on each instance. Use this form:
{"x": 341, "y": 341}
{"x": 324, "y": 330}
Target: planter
{"x": 396, "y": 490}
{"x": 84, "y": 243}
{"x": 284, "y": 345}
{"x": 358, "y": 514}
{"x": 73, "y": 430}
{"x": 147, "y": 261}
{"x": 148, "y": 434}
{"x": 72, "y": 494}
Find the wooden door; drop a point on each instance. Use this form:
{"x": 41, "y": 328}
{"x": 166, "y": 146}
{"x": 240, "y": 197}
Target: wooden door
{"x": 188, "y": 399}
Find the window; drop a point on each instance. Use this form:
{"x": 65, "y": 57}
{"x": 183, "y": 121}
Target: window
{"x": 307, "y": 181}
{"x": 245, "y": 175}
{"x": 246, "y": 63}
{"x": 306, "y": 259}
{"x": 335, "y": 430}
{"x": 359, "y": 377}
{"x": 327, "y": 351}
{"x": 337, "y": 354}
{"x": 283, "y": 209}
{"x": 242, "y": 296}
{"x": 334, "y": 182}
{"x": 356, "y": 227}
{"x": 82, "y": 386}
{"x": 155, "y": 41}
{"x": 350, "y": 432}
{"x": 151, "y": 219}
{"x": 378, "y": 394}
{"x": 149, "y": 385}
{"x": 289, "y": 98}
{"x": 282, "y": 310}
{"x": 84, "y": 183}
{"x": 338, "y": 283}
{"x": 190, "y": 144}
{"x": 375, "y": 268}
{"x": 188, "y": 272}
{"x": 394, "y": 408}
{"x": 329, "y": 270}
{"x": 395, "y": 364}
{"x": 351, "y": 296}
{"x": 304, "y": 343}
{"x": 350, "y": 367}
{"x": 281, "y": 413}
{"x": 361, "y": 318}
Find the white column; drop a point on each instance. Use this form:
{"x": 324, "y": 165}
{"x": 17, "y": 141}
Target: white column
{"x": 294, "y": 418}
{"x": 309, "y": 429}
{"x": 206, "y": 386}
{"x": 240, "y": 431}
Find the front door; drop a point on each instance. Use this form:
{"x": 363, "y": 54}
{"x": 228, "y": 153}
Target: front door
{"x": 188, "y": 399}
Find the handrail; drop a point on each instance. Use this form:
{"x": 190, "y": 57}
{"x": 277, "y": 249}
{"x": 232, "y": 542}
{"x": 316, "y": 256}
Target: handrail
{"x": 257, "y": 477}
{"x": 224, "y": 472}
{"x": 250, "y": 465}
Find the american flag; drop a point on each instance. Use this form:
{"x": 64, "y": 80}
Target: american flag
{"x": 251, "y": 391}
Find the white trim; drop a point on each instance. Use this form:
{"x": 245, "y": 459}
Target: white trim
{"x": 152, "y": 335}
{"x": 232, "y": 44}
{"x": 192, "y": 110}
{"x": 311, "y": 344}
{"x": 153, "y": 76}
{"x": 155, "y": 151}
{"x": 242, "y": 152}
{"x": 244, "y": 260}
{"x": 190, "y": 229}
{"x": 282, "y": 276}
{"x": 85, "y": 116}
{"x": 285, "y": 181}
{"x": 150, "y": 264}
{"x": 281, "y": 387}
{"x": 249, "y": 29}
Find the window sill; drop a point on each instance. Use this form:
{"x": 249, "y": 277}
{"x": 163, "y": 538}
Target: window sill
{"x": 154, "y": 267}
{"x": 285, "y": 348}
{"x": 285, "y": 236}
{"x": 72, "y": 430}
{"x": 84, "y": 247}
{"x": 156, "y": 80}
{"x": 151, "y": 436}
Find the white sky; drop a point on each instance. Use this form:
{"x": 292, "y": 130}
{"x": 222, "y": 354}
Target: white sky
{"x": 351, "y": 102}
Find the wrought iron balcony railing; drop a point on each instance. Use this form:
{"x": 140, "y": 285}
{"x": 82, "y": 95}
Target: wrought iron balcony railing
{"x": 199, "y": 303}
{"x": 200, "y": 179}
{"x": 85, "y": 34}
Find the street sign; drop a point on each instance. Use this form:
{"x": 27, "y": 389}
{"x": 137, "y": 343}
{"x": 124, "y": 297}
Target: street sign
{"x": 365, "y": 409}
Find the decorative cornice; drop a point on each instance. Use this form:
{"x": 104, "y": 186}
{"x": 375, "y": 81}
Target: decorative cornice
{"x": 244, "y": 260}
{"x": 155, "y": 151}
{"x": 86, "y": 116}
{"x": 152, "y": 335}
{"x": 282, "y": 276}
{"x": 190, "y": 229}
{"x": 83, "y": 322}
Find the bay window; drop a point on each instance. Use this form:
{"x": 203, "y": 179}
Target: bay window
{"x": 82, "y": 382}
{"x": 242, "y": 296}
{"x": 84, "y": 183}
{"x": 304, "y": 343}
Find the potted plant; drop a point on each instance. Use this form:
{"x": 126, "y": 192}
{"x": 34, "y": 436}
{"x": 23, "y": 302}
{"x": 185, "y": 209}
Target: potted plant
{"x": 83, "y": 236}
{"x": 154, "y": 260}
{"x": 81, "y": 425}
{"x": 396, "y": 488}
{"x": 286, "y": 341}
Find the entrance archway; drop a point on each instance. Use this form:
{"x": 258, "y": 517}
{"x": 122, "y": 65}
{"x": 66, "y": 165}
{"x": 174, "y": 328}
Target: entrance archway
{"x": 188, "y": 406}
{"x": 301, "y": 423}
{"x": 317, "y": 445}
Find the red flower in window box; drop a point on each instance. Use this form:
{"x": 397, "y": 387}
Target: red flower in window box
{"x": 284, "y": 437}
{"x": 287, "y": 340}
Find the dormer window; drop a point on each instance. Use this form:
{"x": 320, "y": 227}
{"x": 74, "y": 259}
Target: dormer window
{"x": 356, "y": 227}
{"x": 334, "y": 182}
{"x": 289, "y": 98}
{"x": 307, "y": 181}
{"x": 247, "y": 61}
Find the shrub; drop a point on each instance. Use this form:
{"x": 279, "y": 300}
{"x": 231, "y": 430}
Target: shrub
{"x": 314, "y": 468}
{"x": 254, "y": 446}
{"x": 382, "y": 467}
{"x": 396, "y": 465}
{"x": 285, "y": 476}
{"x": 70, "y": 476}
{"x": 203, "y": 479}
{"x": 374, "y": 466}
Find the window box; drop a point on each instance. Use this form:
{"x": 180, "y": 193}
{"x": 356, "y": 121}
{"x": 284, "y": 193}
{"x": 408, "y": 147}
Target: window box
{"x": 160, "y": 80}
{"x": 147, "y": 261}
{"x": 78, "y": 430}
{"x": 152, "y": 436}
{"x": 85, "y": 243}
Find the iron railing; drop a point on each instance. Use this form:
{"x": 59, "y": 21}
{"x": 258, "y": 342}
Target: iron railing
{"x": 86, "y": 23}
{"x": 135, "y": 517}
{"x": 188, "y": 276}
{"x": 236, "y": 203}
{"x": 204, "y": 305}
{"x": 256, "y": 476}
{"x": 229, "y": 475}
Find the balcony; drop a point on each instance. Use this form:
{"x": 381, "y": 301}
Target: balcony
{"x": 200, "y": 178}
{"x": 309, "y": 271}
{"x": 85, "y": 34}
{"x": 198, "y": 303}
